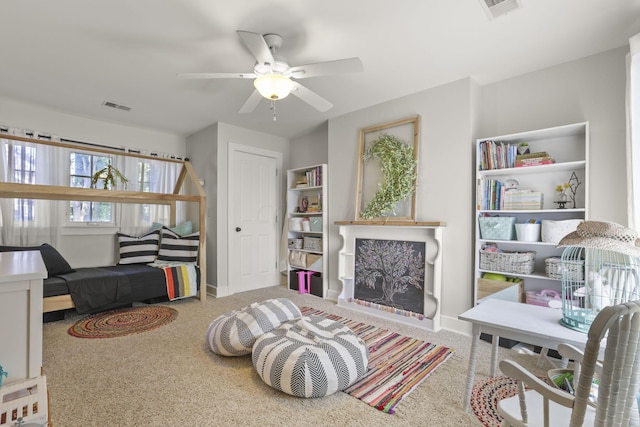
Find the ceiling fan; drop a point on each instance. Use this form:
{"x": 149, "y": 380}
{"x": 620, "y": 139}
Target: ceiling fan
{"x": 274, "y": 78}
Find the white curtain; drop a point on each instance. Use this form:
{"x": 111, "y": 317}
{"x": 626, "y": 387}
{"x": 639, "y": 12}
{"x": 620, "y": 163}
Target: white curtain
{"x": 164, "y": 176}
{"x": 633, "y": 133}
{"x": 131, "y": 217}
{"x": 52, "y": 168}
{"x": 47, "y": 214}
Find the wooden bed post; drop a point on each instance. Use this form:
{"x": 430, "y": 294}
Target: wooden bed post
{"x": 202, "y": 211}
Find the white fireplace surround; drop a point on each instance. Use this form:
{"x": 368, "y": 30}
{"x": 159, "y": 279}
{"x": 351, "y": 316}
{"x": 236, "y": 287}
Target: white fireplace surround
{"x": 431, "y": 233}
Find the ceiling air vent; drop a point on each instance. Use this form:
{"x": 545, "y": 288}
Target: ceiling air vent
{"x": 116, "y": 106}
{"x": 496, "y": 8}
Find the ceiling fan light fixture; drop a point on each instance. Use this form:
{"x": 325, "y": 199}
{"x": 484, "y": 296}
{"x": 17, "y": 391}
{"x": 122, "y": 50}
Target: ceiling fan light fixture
{"x": 273, "y": 86}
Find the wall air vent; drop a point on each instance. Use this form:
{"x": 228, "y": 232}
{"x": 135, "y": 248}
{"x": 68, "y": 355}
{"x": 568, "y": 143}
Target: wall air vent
{"x": 496, "y": 8}
{"x": 116, "y": 106}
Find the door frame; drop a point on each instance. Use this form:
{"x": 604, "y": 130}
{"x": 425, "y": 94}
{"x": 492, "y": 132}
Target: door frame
{"x": 226, "y": 232}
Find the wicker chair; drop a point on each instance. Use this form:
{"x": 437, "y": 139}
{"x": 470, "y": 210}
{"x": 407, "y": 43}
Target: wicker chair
{"x": 618, "y": 373}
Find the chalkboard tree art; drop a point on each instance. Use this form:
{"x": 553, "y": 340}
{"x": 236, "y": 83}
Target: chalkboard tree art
{"x": 390, "y": 273}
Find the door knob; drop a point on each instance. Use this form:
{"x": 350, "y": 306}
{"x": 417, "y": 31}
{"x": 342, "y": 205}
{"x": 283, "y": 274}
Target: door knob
{"x": 238, "y": 229}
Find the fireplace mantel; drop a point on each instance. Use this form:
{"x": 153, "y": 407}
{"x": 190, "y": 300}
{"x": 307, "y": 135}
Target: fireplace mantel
{"x": 392, "y": 223}
{"x": 429, "y": 232}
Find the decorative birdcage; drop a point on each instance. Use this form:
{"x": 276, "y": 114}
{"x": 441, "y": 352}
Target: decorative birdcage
{"x": 608, "y": 256}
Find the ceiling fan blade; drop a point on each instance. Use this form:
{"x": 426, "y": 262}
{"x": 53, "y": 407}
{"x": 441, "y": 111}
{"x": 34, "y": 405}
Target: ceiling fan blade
{"x": 251, "y": 103}
{"x": 216, "y": 76}
{"x": 258, "y": 47}
{"x": 339, "y": 66}
{"x": 311, "y": 98}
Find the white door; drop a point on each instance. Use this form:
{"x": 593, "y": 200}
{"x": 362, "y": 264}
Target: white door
{"x": 254, "y": 197}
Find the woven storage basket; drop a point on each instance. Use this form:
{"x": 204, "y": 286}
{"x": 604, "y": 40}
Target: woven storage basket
{"x": 508, "y": 262}
{"x": 574, "y": 270}
{"x": 497, "y": 227}
{"x": 312, "y": 244}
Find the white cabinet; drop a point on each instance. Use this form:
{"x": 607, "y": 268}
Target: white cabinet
{"x": 568, "y": 147}
{"x": 21, "y": 275}
{"x": 307, "y": 228}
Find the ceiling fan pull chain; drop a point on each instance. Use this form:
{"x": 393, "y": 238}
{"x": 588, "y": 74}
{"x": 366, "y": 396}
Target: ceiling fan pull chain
{"x": 273, "y": 108}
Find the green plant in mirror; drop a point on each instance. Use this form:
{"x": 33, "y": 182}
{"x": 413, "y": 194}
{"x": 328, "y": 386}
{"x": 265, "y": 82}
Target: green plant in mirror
{"x": 109, "y": 175}
{"x": 398, "y": 166}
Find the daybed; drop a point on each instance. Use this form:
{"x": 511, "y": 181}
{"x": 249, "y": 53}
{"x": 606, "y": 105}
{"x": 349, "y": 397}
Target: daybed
{"x": 144, "y": 282}
{"x": 95, "y": 289}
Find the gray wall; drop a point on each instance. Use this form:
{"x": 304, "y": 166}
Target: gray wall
{"x": 311, "y": 149}
{"x": 209, "y": 151}
{"x": 590, "y": 89}
{"x": 445, "y": 181}
{"x": 453, "y": 116}
{"x": 202, "y": 150}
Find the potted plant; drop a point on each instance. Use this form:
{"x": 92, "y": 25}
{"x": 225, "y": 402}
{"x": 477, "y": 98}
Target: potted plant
{"x": 523, "y": 148}
{"x": 109, "y": 175}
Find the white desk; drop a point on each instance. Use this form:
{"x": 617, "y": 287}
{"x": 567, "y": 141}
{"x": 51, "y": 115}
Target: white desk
{"x": 526, "y": 323}
{"x": 21, "y": 275}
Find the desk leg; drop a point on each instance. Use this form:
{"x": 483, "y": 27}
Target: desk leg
{"x": 473, "y": 356}
{"x": 494, "y": 354}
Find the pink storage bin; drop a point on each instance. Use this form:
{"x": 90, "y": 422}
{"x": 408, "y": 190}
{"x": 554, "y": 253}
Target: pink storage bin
{"x": 544, "y": 298}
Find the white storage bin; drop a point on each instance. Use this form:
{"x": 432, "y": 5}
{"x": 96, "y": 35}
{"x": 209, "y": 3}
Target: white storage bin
{"x": 554, "y": 231}
{"x": 528, "y": 232}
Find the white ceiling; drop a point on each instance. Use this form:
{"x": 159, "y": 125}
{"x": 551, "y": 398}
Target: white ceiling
{"x": 72, "y": 55}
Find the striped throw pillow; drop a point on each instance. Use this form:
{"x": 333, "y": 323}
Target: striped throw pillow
{"x": 177, "y": 248}
{"x": 139, "y": 250}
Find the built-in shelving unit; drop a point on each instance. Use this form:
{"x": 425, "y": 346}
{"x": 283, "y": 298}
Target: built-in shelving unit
{"x": 307, "y": 228}
{"x": 568, "y": 146}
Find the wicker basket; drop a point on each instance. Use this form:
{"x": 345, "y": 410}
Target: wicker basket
{"x": 295, "y": 243}
{"x": 508, "y": 262}
{"x": 574, "y": 270}
{"x": 312, "y": 244}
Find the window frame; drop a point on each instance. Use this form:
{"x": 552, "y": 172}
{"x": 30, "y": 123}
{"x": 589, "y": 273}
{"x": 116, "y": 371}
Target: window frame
{"x": 113, "y": 206}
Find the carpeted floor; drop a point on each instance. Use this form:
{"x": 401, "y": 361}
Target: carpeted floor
{"x": 169, "y": 377}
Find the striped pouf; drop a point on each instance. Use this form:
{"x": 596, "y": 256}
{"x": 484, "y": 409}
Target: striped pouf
{"x": 310, "y": 357}
{"x": 234, "y": 333}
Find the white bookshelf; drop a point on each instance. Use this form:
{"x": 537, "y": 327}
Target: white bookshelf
{"x": 569, "y": 147}
{"x": 308, "y": 183}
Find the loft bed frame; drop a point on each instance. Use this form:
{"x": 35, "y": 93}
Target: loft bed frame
{"x": 54, "y": 192}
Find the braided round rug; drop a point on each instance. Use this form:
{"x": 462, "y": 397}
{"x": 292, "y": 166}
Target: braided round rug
{"x": 126, "y": 321}
{"x": 487, "y": 393}
{"x": 485, "y": 397}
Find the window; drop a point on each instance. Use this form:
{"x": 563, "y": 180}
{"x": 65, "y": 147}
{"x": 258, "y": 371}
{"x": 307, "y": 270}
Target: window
{"x": 83, "y": 167}
{"x": 22, "y": 165}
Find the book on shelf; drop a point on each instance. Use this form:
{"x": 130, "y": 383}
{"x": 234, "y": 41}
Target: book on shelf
{"x": 491, "y": 194}
{"x": 534, "y": 159}
{"x": 314, "y": 176}
{"x": 523, "y": 200}
{"x": 497, "y": 155}
{"x": 532, "y": 155}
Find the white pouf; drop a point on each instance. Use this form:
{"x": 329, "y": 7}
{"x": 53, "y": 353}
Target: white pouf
{"x": 310, "y": 357}
{"x": 234, "y": 333}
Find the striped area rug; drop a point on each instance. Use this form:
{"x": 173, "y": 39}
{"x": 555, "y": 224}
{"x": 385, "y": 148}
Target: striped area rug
{"x": 397, "y": 364}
